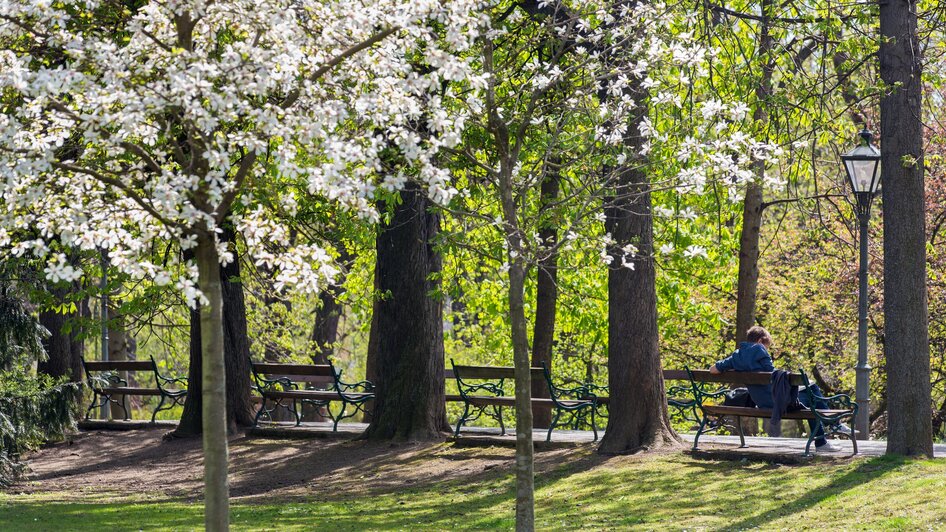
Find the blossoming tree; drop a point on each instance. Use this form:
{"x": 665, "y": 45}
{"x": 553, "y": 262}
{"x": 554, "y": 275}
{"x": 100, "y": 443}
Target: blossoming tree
{"x": 129, "y": 124}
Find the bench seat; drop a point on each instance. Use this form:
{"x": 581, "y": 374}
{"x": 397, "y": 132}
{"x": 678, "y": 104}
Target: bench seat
{"x": 104, "y": 379}
{"x": 743, "y": 411}
{"x": 135, "y": 391}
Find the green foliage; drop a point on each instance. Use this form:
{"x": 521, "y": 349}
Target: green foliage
{"x": 32, "y": 411}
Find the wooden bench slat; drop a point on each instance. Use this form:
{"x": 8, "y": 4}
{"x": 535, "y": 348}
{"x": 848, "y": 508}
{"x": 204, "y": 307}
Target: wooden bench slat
{"x": 743, "y": 411}
{"x": 317, "y": 395}
{"x": 118, "y": 365}
{"x": 315, "y": 370}
{"x": 131, "y": 391}
{"x": 739, "y": 377}
{"x": 489, "y": 400}
{"x": 493, "y": 372}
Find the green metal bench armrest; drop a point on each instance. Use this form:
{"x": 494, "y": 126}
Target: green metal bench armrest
{"x": 264, "y": 384}
{"x": 491, "y": 387}
{"x": 364, "y": 386}
{"x": 105, "y": 380}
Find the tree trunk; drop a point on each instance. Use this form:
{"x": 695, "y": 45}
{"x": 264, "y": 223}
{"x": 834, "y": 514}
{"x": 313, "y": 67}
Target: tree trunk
{"x": 638, "y": 416}
{"x": 191, "y": 418}
{"x": 546, "y": 294}
{"x": 63, "y": 349}
{"x": 329, "y": 313}
{"x": 236, "y": 354}
{"x": 748, "y": 281}
{"x": 409, "y": 401}
{"x": 906, "y": 326}
{"x": 58, "y": 346}
{"x": 236, "y": 342}
{"x": 216, "y": 484}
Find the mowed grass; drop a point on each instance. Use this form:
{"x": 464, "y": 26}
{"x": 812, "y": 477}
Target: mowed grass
{"x": 666, "y": 492}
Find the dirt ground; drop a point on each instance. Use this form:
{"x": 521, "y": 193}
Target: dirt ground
{"x": 140, "y": 461}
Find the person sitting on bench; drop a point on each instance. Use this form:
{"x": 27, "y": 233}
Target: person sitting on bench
{"x": 753, "y": 355}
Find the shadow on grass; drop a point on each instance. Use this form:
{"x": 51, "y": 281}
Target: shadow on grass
{"x": 865, "y": 471}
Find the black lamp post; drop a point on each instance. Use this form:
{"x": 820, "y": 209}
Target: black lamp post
{"x": 863, "y": 171}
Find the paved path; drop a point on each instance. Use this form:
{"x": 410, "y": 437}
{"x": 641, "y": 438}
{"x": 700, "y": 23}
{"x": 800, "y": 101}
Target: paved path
{"x": 725, "y": 446}
{"x": 783, "y": 449}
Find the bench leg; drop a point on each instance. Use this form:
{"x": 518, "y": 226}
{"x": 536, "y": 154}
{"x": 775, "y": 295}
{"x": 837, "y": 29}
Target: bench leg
{"x": 93, "y": 405}
{"x": 742, "y": 437}
{"x": 154, "y": 414}
{"x": 466, "y": 412}
{"x": 262, "y": 408}
{"x": 125, "y": 407}
{"x": 558, "y": 412}
{"x": 594, "y": 427}
{"x": 295, "y": 412}
{"x": 696, "y": 439}
{"x": 499, "y": 415}
{"x": 811, "y": 438}
{"x": 853, "y": 437}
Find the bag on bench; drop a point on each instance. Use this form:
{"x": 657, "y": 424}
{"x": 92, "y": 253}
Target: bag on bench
{"x": 738, "y": 397}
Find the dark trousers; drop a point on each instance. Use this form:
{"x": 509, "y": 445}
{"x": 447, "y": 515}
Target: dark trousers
{"x": 813, "y": 425}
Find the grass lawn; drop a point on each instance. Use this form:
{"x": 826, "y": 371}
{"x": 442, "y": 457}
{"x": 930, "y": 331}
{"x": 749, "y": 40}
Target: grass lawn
{"x": 664, "y": 492}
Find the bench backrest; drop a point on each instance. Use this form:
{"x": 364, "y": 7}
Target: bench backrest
{"x": 310, "y": 370}
{"x": 489, "y": 372}
{"x": 737, "y": 377}
{"x": 118, "y": 365}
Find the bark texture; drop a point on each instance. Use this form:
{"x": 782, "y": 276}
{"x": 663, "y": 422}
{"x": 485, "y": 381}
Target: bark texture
{"x": 409, "y": 401}
{"x": 63, "y": 349}
{"x": 906, "y": 321}
{"x": 638, "y": 416}
{"x": 748, "y": 282}
{"x": 216, "y": 483}
{"x": 236, "y": 355}
{"x": 546, "y": 294}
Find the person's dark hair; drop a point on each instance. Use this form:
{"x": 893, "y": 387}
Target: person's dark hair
{"x": 758, "y": 334}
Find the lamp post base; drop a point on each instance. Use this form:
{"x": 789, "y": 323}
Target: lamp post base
{"x": 862, "y": 393}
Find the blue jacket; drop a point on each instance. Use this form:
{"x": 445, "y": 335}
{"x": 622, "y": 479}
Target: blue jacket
{"x": 751, "y": 357}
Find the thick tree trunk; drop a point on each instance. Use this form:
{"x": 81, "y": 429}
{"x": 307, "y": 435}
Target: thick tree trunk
{"x": 236, "y": 354}
{"x": 63, "y": 349}
{"x": 638, "y": 417}
{"x": 906, "y": 321}
{"x": 546, "y": 294}
{"x": 192, "y": 416}
{"x": 236, "y": 342}
{"x": 409, "y": 401}
{"x": 58, "y": 346}
{"x": 216, "y": 484}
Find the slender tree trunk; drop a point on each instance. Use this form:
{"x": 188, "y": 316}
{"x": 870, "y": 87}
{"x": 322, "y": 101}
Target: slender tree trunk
{"x": 748, "y": 281}
{"x": 409, "y": 401}
{"x": 906, "y": 318}
{"x": 216, "y": 484}
{"x": 329, "y": 313}
{"x": 546, "y": 294}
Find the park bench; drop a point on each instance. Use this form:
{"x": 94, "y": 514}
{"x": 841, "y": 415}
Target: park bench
{"x": 321, "y": 385}
{"x": 842, "y": 407}
{"x": 481, "y": 390}
{"x": 104, "y": 378}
